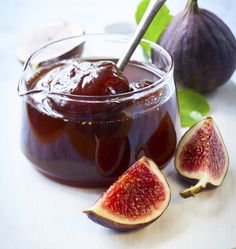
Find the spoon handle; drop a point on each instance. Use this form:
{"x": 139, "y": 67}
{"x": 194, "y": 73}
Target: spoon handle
{"x": 153, "y": 7}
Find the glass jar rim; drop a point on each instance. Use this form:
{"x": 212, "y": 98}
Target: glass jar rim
{"x": 158, "y": 84}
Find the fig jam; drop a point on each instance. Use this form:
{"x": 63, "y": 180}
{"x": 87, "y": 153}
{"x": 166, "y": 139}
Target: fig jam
{"x": 76, "y": 136}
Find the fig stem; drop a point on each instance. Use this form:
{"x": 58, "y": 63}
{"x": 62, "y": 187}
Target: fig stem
{"x": 86, "y": 211}
{"x": 192, "y": 6}
{"x": 193, "y": 190}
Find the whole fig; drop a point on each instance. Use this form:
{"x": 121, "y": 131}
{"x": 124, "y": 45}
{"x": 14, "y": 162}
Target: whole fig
{"x": 202, "y": 46}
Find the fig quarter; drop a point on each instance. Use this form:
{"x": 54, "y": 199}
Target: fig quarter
{"x": 201, "y": 155}
{"x": 136, "y": 199}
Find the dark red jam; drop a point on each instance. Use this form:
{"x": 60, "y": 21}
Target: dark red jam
{"x": 74, "y": 136}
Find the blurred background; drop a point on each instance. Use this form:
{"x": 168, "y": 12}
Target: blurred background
{"x": 20, "y": 16}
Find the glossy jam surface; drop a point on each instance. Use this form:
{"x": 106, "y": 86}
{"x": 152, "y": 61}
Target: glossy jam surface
{"x": 89, "y": 79}
{"x": 90, "y": 144}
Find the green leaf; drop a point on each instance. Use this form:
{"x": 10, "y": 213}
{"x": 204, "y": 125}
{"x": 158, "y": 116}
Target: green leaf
{"x": 192, "y": 106}
{"x": 158, "y": 25}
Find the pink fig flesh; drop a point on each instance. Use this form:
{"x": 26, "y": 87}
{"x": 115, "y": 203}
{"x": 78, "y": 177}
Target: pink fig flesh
{"x": 201, "y": 155}
{"x": 135, "y": 200}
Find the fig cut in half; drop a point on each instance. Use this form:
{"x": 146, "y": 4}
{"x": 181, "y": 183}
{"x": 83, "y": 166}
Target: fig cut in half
{"x": 135, "y": 200}
{"x": 46, "y": 34}
{"x": 201, "y": 155}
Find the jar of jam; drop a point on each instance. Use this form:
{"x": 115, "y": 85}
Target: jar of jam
{"x": 84, "y": 121}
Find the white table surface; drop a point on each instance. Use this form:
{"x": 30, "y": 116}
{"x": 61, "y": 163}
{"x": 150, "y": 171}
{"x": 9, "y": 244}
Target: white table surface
{"x": 36, "y": 213}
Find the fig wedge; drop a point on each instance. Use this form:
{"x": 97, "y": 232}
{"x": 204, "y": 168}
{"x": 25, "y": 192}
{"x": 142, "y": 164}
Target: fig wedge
{"x": 135, "y": 200}
{"x": 201, "y": 155}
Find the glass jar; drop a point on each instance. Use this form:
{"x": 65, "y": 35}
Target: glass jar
{"x": 93, "y": 143}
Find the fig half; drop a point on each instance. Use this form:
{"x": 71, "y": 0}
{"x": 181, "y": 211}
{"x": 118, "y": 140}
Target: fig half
{"x": 46, "y": 34}
{"x": 201, "y": 155}
{"x": 135, "y": 200}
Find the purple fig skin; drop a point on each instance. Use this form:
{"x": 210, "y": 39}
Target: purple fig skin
{"x": 203, "y": 49}
{"x": 114, "y": 225}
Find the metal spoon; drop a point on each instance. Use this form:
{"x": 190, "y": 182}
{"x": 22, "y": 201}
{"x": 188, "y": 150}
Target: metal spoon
{"x": 153, "y": 7}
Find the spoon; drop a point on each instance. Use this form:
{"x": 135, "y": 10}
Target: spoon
{"x": 153, "y": 7}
